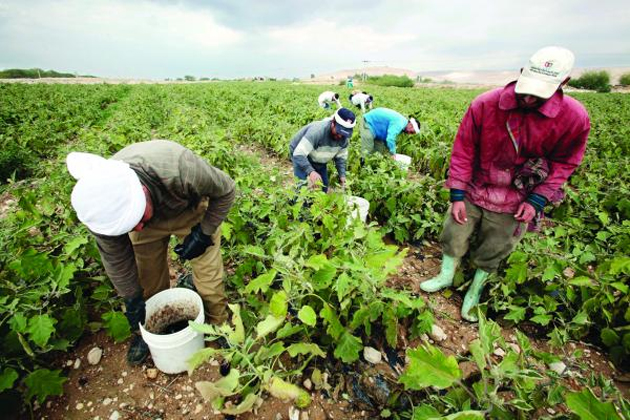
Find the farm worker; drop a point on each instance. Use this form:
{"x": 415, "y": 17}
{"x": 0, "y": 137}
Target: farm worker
{"x": 318, "y": 143}
{"x": 504, "y": 133}
{"x": 381, "y": 127}
{"x": 327, "y": 98}
{"x": 133, "y": 203}
{"x": 349, "y": 83}
{"x": 361, "y": 100}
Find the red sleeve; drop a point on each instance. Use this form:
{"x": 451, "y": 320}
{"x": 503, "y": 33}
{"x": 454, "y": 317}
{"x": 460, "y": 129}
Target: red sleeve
{"x": 565, "y": 157}
{"x": 465, "y": 149}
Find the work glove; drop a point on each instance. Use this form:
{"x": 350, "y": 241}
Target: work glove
{"x": 194, "y": 244}
{"x": 135, "y": 311}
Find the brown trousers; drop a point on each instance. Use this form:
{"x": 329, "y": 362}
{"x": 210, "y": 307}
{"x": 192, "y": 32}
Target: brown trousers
{"x": 151, "y": 248}
{"x": 497, "y": 236}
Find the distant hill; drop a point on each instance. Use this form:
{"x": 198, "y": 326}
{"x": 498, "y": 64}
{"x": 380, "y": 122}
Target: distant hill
{"x": 35, "y": 74}
{"x": 464, "y": 77}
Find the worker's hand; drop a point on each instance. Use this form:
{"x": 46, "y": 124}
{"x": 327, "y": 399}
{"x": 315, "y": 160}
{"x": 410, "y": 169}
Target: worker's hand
{"x": 393, "y": 155}
{"x": 525, "y": 212}
{"x": 194, "y": 244}
{"x": 315, "y": 180}
{"x": 458, "y": 211}
{"x": 342, "y": 181}
{"x": 135, "y": 311}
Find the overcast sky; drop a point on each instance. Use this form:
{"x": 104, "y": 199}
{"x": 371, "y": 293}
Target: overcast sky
{"x": 230, "y": 38}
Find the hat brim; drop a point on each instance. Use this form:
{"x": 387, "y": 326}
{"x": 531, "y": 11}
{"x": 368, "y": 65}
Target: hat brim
{"x": 343, "y": 131}
{"x": 535, "y": 87}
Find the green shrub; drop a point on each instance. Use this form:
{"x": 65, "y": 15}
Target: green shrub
{"x": 592, "y": 80}
{"x": 625, "y": 79}
{"x": 390, "y": 80}
{"x": 33, "y": 74}
{"x": 14, "y": 162}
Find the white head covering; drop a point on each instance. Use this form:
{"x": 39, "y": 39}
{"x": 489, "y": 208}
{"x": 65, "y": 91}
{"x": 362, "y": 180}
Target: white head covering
{"x": 108, "y": 196}
{"x": 415, "y": 125}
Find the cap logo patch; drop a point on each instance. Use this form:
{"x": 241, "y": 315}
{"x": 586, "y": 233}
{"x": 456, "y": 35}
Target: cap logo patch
{"x": 548, "y": 63}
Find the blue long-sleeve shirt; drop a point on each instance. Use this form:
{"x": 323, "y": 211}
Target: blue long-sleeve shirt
{"x": 386, "y": 124}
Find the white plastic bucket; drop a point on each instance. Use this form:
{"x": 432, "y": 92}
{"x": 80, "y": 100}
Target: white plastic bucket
{"x": 171, "y": 351}
{"x": 403, "y": 161}
{"x": 359, "y": 207}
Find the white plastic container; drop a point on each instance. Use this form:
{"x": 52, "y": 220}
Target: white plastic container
{"x": 359, "y": 207}
{"x": 171, "y": 351}
{"x": 403, "y": 161}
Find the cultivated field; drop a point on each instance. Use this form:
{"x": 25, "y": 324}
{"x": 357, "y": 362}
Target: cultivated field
{"x": 310, "y": 289}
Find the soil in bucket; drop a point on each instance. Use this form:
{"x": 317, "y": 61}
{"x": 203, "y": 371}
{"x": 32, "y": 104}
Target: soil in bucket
{"x": 170, "y": 319}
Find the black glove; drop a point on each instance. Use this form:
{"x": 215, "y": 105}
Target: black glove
{"x": 194, "y": 244}
{"x": 135, "y": 311}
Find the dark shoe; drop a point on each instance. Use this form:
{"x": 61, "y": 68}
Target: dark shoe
{"x": 186, "y": 281}
{"x": 138, "y": 350}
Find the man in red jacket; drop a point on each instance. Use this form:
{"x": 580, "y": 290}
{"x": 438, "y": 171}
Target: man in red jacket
{"x": 506, "y": 132}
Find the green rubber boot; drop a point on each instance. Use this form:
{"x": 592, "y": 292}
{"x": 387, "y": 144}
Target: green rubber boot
{"x": 445, "y": 278}
{"x": 473, "y": 295}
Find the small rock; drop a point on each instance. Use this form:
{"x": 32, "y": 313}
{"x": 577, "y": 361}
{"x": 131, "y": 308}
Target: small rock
{"x": 49, "y": 404}
{"x": 124, "y": 374}
{"x": 515, "y": 347}
{"x": 178, "y": 396}
{"x": 214, "y": 362}
{"x": 308, "y": 384}
{"x": 89, "y": 404}
{"x": 107, "y": 401}
{"x": 120, "y": 381}
{"x": 77, "y": 363}
{"x": 558, "y": 367}
{"x": 305, "y": 416}
{"x": 152, "y": 373}
{"x": 123, "y": 405}
{"x": 115, "y": 415}
{"x": 79, "y": 406}
{"x": 294, "y": 413}
{"x": 69, "y": 363}
{"x": 198, "y": 408}
{"x": 278, "y": 416}
{"x": 551, "y": 411}
{"x": 151, "y": 395}
{"x": 372, "y": 355}
{"x": 499, "y": 352}
{"x": 94, "y": 356}
{"x": 437, "y": 333}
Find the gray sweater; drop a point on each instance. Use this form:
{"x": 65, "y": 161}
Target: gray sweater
{"x": 315, "y": 143}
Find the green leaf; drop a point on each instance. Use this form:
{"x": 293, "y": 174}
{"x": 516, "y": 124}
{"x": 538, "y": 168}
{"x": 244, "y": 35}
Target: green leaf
{"x": 307, "y": 315}
{"x": 224, "y": 387}
{"x": 609, "y": 337}
{"x": 317, "y": 261}
{"x": 516, "y": 314}
{"x": 200, "y": 357}
{"x": 478, "y": 354}
{"x": 265, "y": 353}
{"x": 542, "y": 319}
{"x": 268, "y": 325}
{"x": 43, "y": 383}
{"x": 334, "y": 329}
{"x": 425, "y": 412}
{"x": 343, "y": 285}
{"x": 465, "y": 415}
{"x": 323, "y": 277}
{"x": 116, "y": 325}
{"x": 18, "y": 322}
{"x": 305, "y": 348}
{"x": 620, "y": 265}
{"x": 7, "y": 378}
{"x": 261, "y": 283}
{"x": 517, "y": 273}
{"x": 581, "y": 318}
{"x": 288, "y": 330}
{"x": 348, "y": 348}
{"x": 489, "y": 332}
{"x": 237, "y": 335}
{"x": 429, "y": 367}
{"x": 588, "y": 407}
{"x": 279, "y": 305}
{"x": 40, "y": 328}
{"x": 74, "y": 244}
{"x": 287, "y": 391}
{"x": 582, "y": 281}
{"x": 244, "y": 406}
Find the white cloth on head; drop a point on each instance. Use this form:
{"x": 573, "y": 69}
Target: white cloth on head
{"x": 415, "y": 125}
{"x": 108, "y": 196}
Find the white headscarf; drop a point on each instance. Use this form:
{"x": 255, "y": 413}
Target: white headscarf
{"x": 108, "y": 196}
